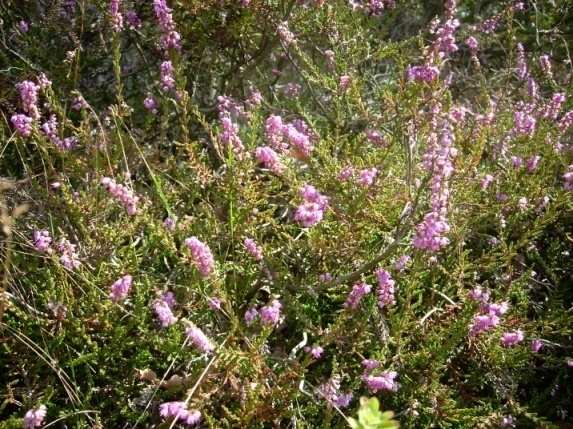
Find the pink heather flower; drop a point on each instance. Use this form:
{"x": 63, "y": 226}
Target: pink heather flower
{"x": 568, "y": 178}
{"x": 438, "y": 159}
{"x": 271, "y": 313}
{"x": 330, "y": 391}
{"x": 292, "y": 90}
{"x": 384, "y": 381}
{"x": 367, "y": 176}
{"x": 230, "y": 133}
{"x": 34, "y": 418}
{"x": 359, "y": 290}
{"x": 314, "y": 351}
{"x": 150, "y": 104}
{"x": 120, "y": 288}
{"x": 517, "y": 162}
{"x": 385, "y": 288}
{"x": 536, "y": 346}
{"x": 545, "y": 64}
{"x": 214, "y": 303}
{"x": 308, "y": 214}
{"x": 376, "y": 137}
{"x": 22, "y": 124}
{"x": 201, "y": 255}
{"x": 122, "y": 194}
{"x": 167, "y": 79}
{"x": 169, "y": 298}
{"x": 494, "y": 309}
{"x": 255, "y": 98}
{"x": 163, "y": 311}
{"x": 402, "y": 262}
{"x": 180, "y": 412}
{"x": 522, "y": 72}
{"x": 311, "y": 195}
{"x": 532, "y": 88}
{"x": 42, "y": 241}
{"x": 369, "y": 365}
{"x": 69, "y": 257}
{"x": 269, "y": 159}
{"x": 345, "y": 173}
{"x": 490, "y": 25}
{"x": 510, "y": 339}
{"x": 254, "y": 250}
{"x": 116, "y": 16}
{"x": 524, "y": 121}
{"x": 23, "y": 26}
{"x": 285, "y": 34}
{"x": 472, "y": 43}
{"x": 199, "y": 339}
{"x": 478, "y": 294}
{"x": 569, "y": 362}
{"x": 423, "y": 73}
{"x": 79, "y": 103}
{"x": 482, "y": 323}
{"x": 298, "y": 140}
{"x": 250, "y": 315}
{"x": 43, "y": 81}
{"x": 29, "y": 97}
{"x": 170, "y": 39}
{"x": 458, "y": 114}
{"x": 50, "y": 129}
{"x": 170, "y": 223}
{"x": 554, "y": 106}
{"x": 133, "y": 20}
{"x": 274, "y": 133}
{"x": 566, "y": 121}
{"x": 344, "y": 82}
{"x": 325, "y": 277}
{"x": 532, "y": 163}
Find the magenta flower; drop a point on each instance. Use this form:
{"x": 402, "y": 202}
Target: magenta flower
{"x": 482, "y": 323}
{"x": 170, "y": 223}
{"x": 532, "y": 163}
{"x": 29, "y": 97}
{"x": 170, "y": 39}
{"x": 166, "y": 76}
{"x": 472, "y": 43}
{"x": 22, "y": 124}
{"x": 124, "y": 195}
{"x": 370, "y": 364}
{"x": 510, "y": 339}
{"x": 358, "y": 292}
{"x": 271, "y": 313}
{"x": 536, "y": 346}
{"x": 69, "y": 257}
{"x": 385, "y": 288}
{"x": 422, "y": 73}
{"x": 163, "y": 311}
{"x": 201, "y": 255}
{"x": 250, "y": 315}
{"x": 367, "y": 176}
{"x": 254, "y": 250}
{"x": 116, "y": 16}
{"x": 385, "y": 381}
{"x": 314, "y": 351}
{"x": 199, "y": 339}
{"x": 150, "y": 104}
{"x": 330, "y": 391}
{"x": 269, "y": 159}
{"x": 120, "y": 288}
{"x": 344, "y": 82}
{"x": 34, "y": 418}
{"x": 402, "y": 262}
{"x": 42, "y": 241}
{"x": 180, "y": 412}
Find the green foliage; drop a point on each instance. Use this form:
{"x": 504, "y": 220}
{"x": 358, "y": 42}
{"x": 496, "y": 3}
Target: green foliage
{"x": 371, "y": 417}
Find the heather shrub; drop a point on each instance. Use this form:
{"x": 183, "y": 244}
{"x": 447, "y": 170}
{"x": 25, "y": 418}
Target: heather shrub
{"x": 252, "y": 214}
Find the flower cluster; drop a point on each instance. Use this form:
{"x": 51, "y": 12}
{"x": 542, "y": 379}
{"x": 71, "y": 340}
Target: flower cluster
{"x": 116, "y": 16}
{"x": 163, "y": 309}
{"x": 359, "y": 291}
{"x": 121, "y": 193}
{"x": 198, "y": 338}
{"x": 510, "y": 339}
{"x": 330, "y": 391}
{"x": 50, "y": 129}
{"x": 34, "y": 418}
{"x": 68, "y": 254}
{"x": 170, "y": 39}
{"x": 253, "y": 248}
{"x": 201, "y": 255}
{"x": 166, "y": 76}
{"x": 424, "y": 73}
{"x": 42, "y": 241}
{"x": 312, "y": 210}
{"x": 568, "y": 178}
{"x": 271, "y": 313}
{"x": 385, "y": 288}
{"x": 490, "y": 312}
{"x": 294, "y": 135}
{"x": 438, "y": 159}
{"x": 269, "y": 159}
{"x": 180, "y": 412}
{"x": 120, "y": 288}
